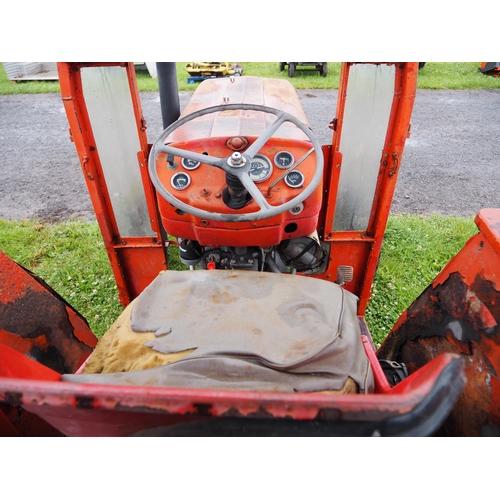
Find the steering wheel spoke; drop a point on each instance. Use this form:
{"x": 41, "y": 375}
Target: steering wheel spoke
{"x": 254, "y": 191}
{"x": 191, "y": 155}
{"x": 266, "y": 135}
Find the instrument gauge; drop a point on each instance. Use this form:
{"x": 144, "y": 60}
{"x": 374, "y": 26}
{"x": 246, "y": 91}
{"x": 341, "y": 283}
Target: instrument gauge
{"x": 294, "y": 179}
{"x": 190, "y": 164}
{"x": 284, "y": 159}
{"x": 180, "y": 181}
{"x": 260, "y": 169}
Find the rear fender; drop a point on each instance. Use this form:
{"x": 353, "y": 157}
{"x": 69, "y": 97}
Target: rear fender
{"x": 37, "y": 322}
{"x": 460, "y": 313}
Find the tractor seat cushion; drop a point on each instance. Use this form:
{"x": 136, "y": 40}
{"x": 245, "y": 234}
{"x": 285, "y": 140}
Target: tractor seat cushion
{"x": 235, "y": 330}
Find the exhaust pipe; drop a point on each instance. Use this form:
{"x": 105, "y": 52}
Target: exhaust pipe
{"x": 169, "y": 92}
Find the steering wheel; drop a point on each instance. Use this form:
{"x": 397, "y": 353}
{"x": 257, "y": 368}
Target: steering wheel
{"x": 237, "y": 164}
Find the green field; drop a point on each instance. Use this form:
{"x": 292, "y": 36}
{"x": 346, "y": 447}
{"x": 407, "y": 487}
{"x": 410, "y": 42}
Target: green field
{"x": 434, "y": 75}
{"x": 71, "y": 258}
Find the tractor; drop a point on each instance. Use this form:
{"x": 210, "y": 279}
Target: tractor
{"x": 262, "y": 333}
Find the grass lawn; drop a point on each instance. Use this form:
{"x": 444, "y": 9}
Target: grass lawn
{"x": 434, "y": 75}
{"x": 415, "y": 250}
{"x": 71, "y": 258}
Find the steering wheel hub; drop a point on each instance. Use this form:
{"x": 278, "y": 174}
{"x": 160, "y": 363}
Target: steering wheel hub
{"x": 236, "y": 160}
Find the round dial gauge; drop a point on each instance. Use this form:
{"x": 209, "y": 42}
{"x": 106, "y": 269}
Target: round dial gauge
{"x": 294, "y": 179}
{"x": 260, "y": 169}
{"x": 190, "y": 164}
{"x": 180, "y": 181}
{"x": 284, "y": 159}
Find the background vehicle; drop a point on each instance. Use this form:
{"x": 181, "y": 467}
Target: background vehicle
{"x": 322, "y": 67}
{"x": 272, "y": 226}
{"x": 490, "y": 68}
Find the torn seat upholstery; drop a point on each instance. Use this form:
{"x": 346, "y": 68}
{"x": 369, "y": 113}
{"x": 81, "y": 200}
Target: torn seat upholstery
{"x": 224, "y": 329}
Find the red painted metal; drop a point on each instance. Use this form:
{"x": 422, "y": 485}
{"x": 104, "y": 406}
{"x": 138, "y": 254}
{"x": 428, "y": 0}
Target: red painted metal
{"x": 260, "y": 233}
{"x": 97, "y": 410}
{"x": 35, "y": 321}
{"x": 6, "y": 427}
{"x": 460, "y": 313}
{"x": 130, "y": 275}
{"x": 362, "y": 249}
{"x": 17, "y": 365}
{"x": 214, "y": 134}
{"x": 381, "y": 383}
{"x": 359, "y": 250}
{"x": 488, "y": 222}
{"x": 273, "y": 93}
{"x": 104, "y": 410}
{"x": 16, "y": 421}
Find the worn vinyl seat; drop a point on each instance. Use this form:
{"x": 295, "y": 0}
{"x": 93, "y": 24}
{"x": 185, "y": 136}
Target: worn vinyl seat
{"x": 235, "y": 330}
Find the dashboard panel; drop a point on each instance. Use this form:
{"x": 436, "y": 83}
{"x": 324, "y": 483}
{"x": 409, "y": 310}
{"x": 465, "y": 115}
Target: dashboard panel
{"x": 281, "y": 169}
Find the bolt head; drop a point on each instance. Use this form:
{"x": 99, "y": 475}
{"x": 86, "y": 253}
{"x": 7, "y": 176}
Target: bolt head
{"x": 236, "y": 160}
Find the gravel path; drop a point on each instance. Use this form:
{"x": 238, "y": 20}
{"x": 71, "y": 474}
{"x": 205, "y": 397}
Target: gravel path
{"x": 451, "y": 163}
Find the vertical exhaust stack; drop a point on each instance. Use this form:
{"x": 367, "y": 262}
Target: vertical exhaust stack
{"x": 169, "y": 92}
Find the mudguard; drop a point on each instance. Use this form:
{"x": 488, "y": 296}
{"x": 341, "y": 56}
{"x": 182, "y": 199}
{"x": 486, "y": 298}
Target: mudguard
{"x": 460, "y": 313}
{"x": 36, "y": 324}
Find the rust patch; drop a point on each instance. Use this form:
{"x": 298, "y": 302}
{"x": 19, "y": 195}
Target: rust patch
{"x": 261, "y": 413}
{"x": 43, "y": 322}
{"x": 455, "y": 318}
{"x": 488, "y": 295}
{"x": 202, "y": 409}
{"x": 449, "y": 309}
{"x": 329, "y": 414}
{"x": 232, "y": 412}
{"x": 84, "y": 402}
{"x": 13, "y": 398}
{"x": 37, "y": 322}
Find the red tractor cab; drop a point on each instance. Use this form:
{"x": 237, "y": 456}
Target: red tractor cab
{"x": 262, "y": 332}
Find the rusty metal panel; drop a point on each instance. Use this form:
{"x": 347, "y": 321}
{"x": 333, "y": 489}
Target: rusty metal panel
{"x": 460, "y": 313}
{"x": 96, "y": 410}
{"x": 35, "y": 321}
